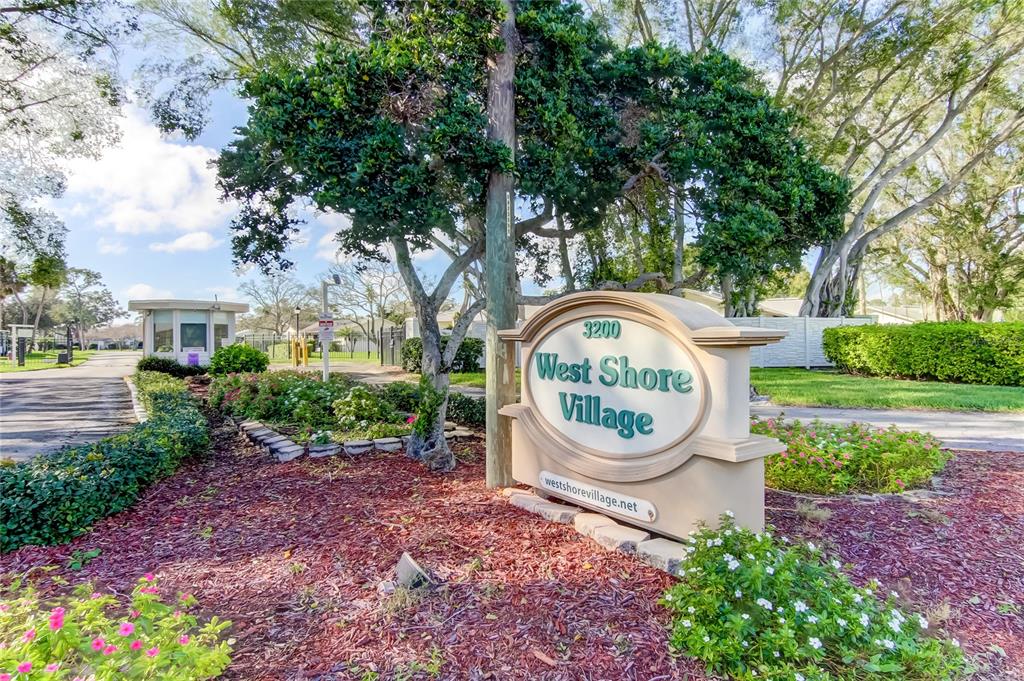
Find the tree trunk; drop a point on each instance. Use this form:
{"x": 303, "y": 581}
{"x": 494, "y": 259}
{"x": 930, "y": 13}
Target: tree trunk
{"x": 500, "y": 258}
{"x": 428, "y": 443}
{"x": 24, "y": 311}
{"x": 726, "y": 285}
{"x": 680, "y": 242}
{"x": 39, "y": 314}
{"x": 563, "y": 254}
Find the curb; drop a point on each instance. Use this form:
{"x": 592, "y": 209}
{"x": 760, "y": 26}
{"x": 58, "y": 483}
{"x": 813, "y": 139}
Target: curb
{"x": 657, "y": 552}
{"x": 141, "y": 415}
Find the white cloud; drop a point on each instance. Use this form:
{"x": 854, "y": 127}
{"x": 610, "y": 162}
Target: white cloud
{"x": 107, "y": 246}
{"x": 193, "y": 241}
{"x": 145, "y": 291}
{"x": 148, "y": 184}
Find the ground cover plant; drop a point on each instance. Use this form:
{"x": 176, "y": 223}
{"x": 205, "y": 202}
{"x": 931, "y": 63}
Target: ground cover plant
{"x": 834, "y": 388}
{"x": 963, "y": 352}
{"x": 294, "y": 553}
{"x": 91, "y": 634}
{"x": 754, "y": 607}
{"x": 824, "y": 458}
{"x": 55, "y": 497}
{"x": 285, "y": 398}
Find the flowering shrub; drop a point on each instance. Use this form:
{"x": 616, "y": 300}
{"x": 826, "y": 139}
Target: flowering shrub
{"x": 754, "y": 608}
{"x": 829, "y": 459}
{"x": 52, "y": 498}
{"x": 92, "y": 636}
{"x": 280, "y": 397}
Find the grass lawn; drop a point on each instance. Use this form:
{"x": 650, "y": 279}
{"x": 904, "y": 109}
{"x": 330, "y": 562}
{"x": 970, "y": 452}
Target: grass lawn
{"x": 825, "y": 388}
{"x": 476, "y": 379}
{"x": 43, "y": 360}
{"x": 356, "y": 358}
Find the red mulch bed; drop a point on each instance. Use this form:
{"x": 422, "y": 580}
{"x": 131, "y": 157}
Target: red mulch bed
{"x": 296, "y": 551}
{"x": 962, "y": 548}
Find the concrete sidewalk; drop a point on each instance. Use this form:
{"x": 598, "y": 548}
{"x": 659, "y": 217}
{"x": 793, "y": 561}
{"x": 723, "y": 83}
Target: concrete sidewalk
{"x": 991, "y": 431}
{"x": 47, "y": 409}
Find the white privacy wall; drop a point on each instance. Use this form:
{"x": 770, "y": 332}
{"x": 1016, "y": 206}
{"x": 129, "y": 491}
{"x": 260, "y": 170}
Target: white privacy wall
{"x": 802, "y": 345}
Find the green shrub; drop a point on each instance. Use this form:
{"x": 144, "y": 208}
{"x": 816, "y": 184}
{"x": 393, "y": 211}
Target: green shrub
{"x": 238, "y": 358}
{"x": 280, "y": 397}
{"x": 467, "y": 357}
{"x": 967, "y": 352}
{"x": 168, "y": 366}
{"x": 53, "y": 498}
{"x": 753, "y": 608}
{"x": 88, "y": 634}
{"x": 362, "y": 408}
{"x": 835, "y": 459}
{"x": 466, "y": 410}
{"x": 402, "y": 396}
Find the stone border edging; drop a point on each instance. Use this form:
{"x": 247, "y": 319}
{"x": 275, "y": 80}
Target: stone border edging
{"x": 660, "y": 553}
{"x": 141, "y": 414}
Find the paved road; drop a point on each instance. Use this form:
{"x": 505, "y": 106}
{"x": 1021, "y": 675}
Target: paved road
{"x": 47, "y": 409}
{"x": 992, "y": 431}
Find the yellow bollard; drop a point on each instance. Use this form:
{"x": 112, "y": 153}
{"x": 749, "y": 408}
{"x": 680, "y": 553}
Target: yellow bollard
{"x": 295, "y": 352}
{"x": 305, "y": 353}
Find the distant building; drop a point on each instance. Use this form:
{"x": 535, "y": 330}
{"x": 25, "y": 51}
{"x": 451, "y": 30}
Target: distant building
{"x": 186, "y": 330}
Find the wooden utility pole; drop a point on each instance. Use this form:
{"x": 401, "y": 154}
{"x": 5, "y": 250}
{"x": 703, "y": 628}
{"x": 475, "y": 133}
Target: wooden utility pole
{"x": 499, "y": 264}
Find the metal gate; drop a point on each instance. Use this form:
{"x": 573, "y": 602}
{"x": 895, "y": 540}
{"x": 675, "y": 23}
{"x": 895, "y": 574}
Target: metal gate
{"x": 389, "y": 345}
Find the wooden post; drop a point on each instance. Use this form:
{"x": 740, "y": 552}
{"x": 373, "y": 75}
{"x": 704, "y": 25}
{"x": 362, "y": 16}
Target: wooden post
{"x": 500, "y": 257}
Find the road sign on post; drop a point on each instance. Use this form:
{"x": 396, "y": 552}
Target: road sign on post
{"x": 326, "y": 324}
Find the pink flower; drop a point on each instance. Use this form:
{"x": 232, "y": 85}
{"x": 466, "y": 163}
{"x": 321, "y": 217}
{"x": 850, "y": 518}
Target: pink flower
{"x": 97, "y": 594}
{"x": 183, "y": 640}
{"x": 136, "y": 644}
{"x": 148, "y": 576}
{"x": 56, "y": 618}
{"x": 29, "y": 635}
{"x": 4, "y": 608}
{"x": 52, "y": 667}
{"x": 24, "y": 667}
{"x": 97, "y": 644}
{"x": 411, "y": 419}
{"x": 127, "y": 628}
{"x": 135, "y": 614}
{"x": 109, "y": 650}
{"x": 153, "y": 652}
{"x": 149, "y": 590}
{"x": 5, "y": 677}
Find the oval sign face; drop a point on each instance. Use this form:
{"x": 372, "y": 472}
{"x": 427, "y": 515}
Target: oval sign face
{"x": 615, "y": 385}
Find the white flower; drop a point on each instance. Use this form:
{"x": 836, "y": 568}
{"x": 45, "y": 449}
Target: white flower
{"x": 745, "y": 616}
{"x": 785, "y": 540}
{"x": 798, "y": 676}
{"x": 738, "y": 593}
{"x": 782, "y": 620}
{"x": 857, "y": 598}
{"x": 728, "y": 533}
{"x": 668, "y": 597}
{"x": 733, "y": 564}
{"x": 718, "y": 541}
{"x": 868, "y": 591}
{"x": 770, "y": 570}
{"x": 864, "y": 619}
{"x": 711, "y": 542}
{"x": 922, "y": 621}
{"x": 894, "y": 625}
{"x": 687, "y": 623}
{"x": 814, "y": 642}
{"x": 776, "y": 653}
{"x": 743, "y": 643}
{"x": 730, "y": 514}
{"x": 811, "y": 546}
{"x": 894, "y": 594}
{"x": 841, "y": 622}
{"x": 800, "y": 606}
{"x": 727, "y": 557}
{"x": 956, "y": 642}
{"x": 836, "y": 564}
{"x": 898, "y": 616}
{"x": 691, "y": 610}
{"x": 707, "y": 639}
{"x": 889, "y": 645}
{"x": 812, "y": 619}
{"x": 751, "y": 556}
{"x": 764, "y": 603}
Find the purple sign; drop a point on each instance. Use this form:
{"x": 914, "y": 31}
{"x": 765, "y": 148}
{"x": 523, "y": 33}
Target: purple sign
{"x": 193, "y": 359}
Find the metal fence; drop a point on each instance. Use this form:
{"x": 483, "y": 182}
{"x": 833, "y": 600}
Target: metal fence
{"x": 280, "y": 347}
{"x": 39, "y": 352}
{"x": 390, "y": 343}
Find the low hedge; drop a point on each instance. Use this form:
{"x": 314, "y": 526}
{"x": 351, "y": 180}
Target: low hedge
{"x": 467, "y": 357}
{"x": 53, "y": 498}
{"x": 960, "y": 352}
{"x": 168, "y": 366}
{"x": 233, "y": 359}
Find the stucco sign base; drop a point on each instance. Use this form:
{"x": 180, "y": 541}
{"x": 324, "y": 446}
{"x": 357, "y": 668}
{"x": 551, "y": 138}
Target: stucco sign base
{"x": 637, "y": 406}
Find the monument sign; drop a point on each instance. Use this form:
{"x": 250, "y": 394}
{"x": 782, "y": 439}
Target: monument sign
{"x": 637, "y": 406}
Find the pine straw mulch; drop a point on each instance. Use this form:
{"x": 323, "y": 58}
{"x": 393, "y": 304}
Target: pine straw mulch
{"x": 293, "y": 554}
